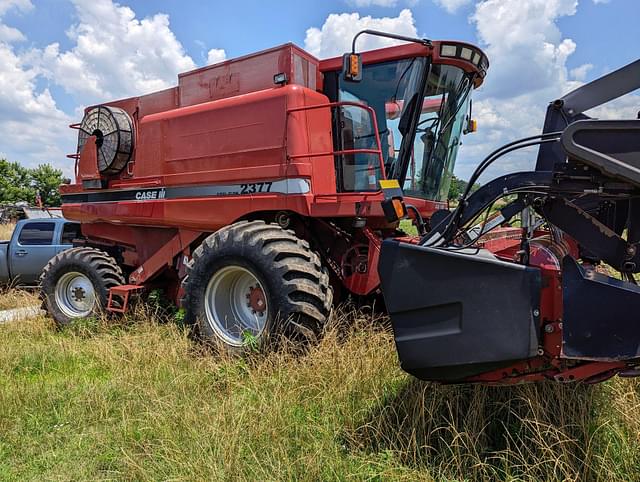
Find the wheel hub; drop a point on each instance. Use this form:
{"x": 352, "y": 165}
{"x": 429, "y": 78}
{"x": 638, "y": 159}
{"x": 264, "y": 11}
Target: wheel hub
{"x": 256, "y": 300}
{"x": 236, "y": 307}
{"x": 75, "y": 295}
{"x": 78, "y": 293}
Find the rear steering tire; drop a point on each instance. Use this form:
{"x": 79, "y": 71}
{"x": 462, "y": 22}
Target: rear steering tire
{"x": 75, "y": 283}
{"x": 253, "y": 280}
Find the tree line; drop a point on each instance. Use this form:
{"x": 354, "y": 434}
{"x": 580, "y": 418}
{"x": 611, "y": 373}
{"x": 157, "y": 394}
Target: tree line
{"x": 457, "y": 188}
{"x": 19, "y": 183}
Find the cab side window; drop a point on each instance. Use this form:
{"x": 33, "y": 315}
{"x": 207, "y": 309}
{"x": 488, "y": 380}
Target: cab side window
{"x": 37, "y": 234}
{"x": 70, "y": 231}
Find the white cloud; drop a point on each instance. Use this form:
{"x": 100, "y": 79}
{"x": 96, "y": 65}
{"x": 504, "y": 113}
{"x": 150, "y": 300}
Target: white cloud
{"x": 115, "y": 54}
{"x": 601, "y": 1}
{"x": 580, "y": 73}
{"x": 368, "y": 3}
{"x": 216, "y": 55}
{"x": 21, "y": 5}
{"x": 32, "y": 126}
{"x": 335, "y": 35}
{"x": 528, "y": 70}
{"x": 452, "y": 6}
{"x": 10, "y": 34}
{"x": 528, "y": 57}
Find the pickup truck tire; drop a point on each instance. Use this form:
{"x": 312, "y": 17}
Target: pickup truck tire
{"x": 75, "y": 283}
{"x": 251, "y": 283}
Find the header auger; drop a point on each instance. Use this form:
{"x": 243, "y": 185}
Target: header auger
{"x": 260, "y": 191}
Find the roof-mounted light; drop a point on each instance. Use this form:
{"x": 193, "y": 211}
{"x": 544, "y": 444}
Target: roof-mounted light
{"x": 465, "y": 52}
{"x": 448, "y": 50}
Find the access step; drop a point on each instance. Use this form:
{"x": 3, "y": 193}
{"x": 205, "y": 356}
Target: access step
{"x": 119, "y": 297}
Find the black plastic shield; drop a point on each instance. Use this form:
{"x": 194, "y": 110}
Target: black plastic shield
{"x": 456, "y": 315}
{"x": 601, "y": 315}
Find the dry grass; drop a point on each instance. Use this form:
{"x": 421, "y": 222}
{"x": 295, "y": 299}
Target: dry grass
{"x": 17, "y": 298}
{"x": 6, "y": 230}
{"x": 106, "y": 400}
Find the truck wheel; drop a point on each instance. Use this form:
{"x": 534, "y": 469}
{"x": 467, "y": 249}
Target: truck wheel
{"x": 75, "y": 283}
{"x": 252, "y": 280}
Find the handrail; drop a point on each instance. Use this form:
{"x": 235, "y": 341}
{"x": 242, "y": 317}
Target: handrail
{"x": 331, "y": 105}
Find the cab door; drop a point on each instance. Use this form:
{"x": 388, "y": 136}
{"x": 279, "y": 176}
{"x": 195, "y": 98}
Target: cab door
{"x": 32, "y": 250}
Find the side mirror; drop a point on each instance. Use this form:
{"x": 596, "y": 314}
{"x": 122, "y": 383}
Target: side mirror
{"x": 352, "y": 67}
{"x": 471, "y": 125}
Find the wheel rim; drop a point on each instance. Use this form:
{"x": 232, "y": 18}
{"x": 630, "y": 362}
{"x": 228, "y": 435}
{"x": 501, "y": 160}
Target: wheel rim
{"x": 235, "y": 305}
{"x": 75, "y": 295}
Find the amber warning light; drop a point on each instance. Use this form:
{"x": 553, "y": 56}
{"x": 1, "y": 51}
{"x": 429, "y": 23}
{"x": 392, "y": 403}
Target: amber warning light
{"x": 393, "y": 205}
{"x": 352, "y": 67}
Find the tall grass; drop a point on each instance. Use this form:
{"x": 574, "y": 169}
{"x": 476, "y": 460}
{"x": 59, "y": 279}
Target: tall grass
{"x": 6, "y": 230}
{"x": 137, "y": 399}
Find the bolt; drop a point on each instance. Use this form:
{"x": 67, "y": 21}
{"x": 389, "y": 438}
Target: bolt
{"x": 548, "y": 328}
{"x": 536, "y": 312}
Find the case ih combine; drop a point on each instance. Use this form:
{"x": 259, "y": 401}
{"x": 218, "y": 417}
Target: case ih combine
{"x": 262, "y": 190}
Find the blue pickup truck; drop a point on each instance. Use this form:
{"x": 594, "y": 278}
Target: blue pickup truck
{"x": 33, "y": 243}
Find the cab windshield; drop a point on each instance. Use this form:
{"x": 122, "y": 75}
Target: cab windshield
{"x": 419, "y": 124}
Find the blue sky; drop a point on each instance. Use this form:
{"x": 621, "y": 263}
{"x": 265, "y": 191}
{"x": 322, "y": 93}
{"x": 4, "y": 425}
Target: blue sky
{"x": 58, "y": 55}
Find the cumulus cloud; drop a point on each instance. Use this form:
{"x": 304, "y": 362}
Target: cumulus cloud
{"x": 335, "y": 35}
{"x": 525, "y": 43}
{"x": 9, "y": 34}
{"x": 115, "y": 54}
{"x": 580, "y": 73}
{"x": 216, "y": 55}
{"x": 452, "y": 6}
{"x": 31, "y": 124}
{"x": 528, "y": 57}
{"x": 21, "y": 5}
{"x": 529, "y": 69}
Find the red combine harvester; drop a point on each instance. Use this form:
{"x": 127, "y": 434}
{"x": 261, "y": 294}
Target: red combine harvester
{"x": 262, "y": 190}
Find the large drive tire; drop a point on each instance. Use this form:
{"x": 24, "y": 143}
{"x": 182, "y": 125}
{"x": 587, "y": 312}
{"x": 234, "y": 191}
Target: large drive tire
{"x": 253, "y": 280}
{"x": 76, "y": 282}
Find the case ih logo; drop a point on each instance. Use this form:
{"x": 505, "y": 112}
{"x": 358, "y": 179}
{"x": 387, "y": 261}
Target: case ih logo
{"x": 150, "y": 195}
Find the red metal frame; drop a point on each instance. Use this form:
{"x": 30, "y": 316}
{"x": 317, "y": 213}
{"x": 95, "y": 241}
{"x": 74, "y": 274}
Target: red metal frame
{"x": 331, "y": 105}
{"x": 124, "y": 292}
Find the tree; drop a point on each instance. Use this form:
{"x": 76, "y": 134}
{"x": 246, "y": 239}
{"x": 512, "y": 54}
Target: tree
{"x": 46, "y": 180}
{"x": 457, "y": 188}
{"x": 18, "y": 183}
{"x": 14, "y": 183}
